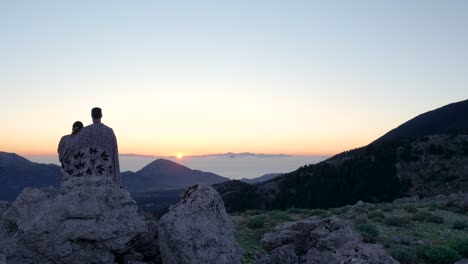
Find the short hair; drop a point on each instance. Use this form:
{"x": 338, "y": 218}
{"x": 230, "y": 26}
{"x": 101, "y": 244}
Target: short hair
{"x": 96, "y": 112}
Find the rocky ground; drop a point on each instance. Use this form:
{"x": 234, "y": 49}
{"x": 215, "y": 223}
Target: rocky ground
{"x": 91, "y": 220}
{"x": 432, "y": 230}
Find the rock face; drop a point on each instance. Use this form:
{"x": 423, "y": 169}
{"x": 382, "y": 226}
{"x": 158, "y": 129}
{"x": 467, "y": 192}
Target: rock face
{"x": 90, "y": 221}
{"x": 313, "y": 241}
{"x": 198, "y": 230}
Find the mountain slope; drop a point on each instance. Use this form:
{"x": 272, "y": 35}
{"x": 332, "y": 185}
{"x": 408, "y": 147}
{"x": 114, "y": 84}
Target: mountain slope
{"x": 165, "y": 174}
{"x": 450, "y": 119}
{"x": 17, "y": 173}
{"x": 263, "y": 178}
{"x": 427, "y": 155}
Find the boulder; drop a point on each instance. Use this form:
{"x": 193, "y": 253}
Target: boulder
{"x": 198, "y": 230}
{"x": 463, "y": 261}
{"x": 313, "y": 241}
{"x": 91, "y": 220}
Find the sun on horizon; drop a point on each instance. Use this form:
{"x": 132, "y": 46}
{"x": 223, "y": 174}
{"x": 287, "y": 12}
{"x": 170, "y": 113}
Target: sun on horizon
{"x": 180, "y": 155}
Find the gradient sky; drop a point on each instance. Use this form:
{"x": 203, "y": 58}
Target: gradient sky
{"x": 198, "y": 77}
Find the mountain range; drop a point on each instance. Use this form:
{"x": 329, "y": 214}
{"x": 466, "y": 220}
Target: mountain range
{"x": 263, "y": 178}
{"x": 163, "y": 174}
{"x": 16, "y": 173}
{"x": 427, "y": 155}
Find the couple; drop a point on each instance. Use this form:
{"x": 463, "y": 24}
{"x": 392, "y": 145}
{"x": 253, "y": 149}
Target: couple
{"x": 90, "y": 151}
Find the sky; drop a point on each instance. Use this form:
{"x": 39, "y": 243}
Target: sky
{"x": 200, "y": 77}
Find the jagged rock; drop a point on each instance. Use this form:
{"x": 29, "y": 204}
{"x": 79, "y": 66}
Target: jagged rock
{"x": 281, "y": 255}
{"x": 146, "y": 244}
{"x": 198, "y": 230}
{"x": 460, "y": 200}
{"x": 360, "y": 203}
{"x": 91, "y": 221}
{"x": 463, "y": 261}
{"x": 3, "y": 207}
{"x": 2, "y": 259}
{"x": 313, "y": 241}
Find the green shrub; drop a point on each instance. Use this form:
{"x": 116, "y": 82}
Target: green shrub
{"x": 369, "y": 232}
{"x": 340, "y": 210}
{"x": 461, "y": 246}
{"x": 433, "y": 206}
{"x": 397, "y": 221}
{"x": 404, "y": 256}
{"x": 411, "y": 209}
{"x": 319, "y": 212}
{"x": 459, "y": 225}
{"x": 435, "y": 219}
{"x": 421, "y": 216}
{"x": 257, "y": 221}
{"x": 376, "y": 215}
{"x": 280, "y": 216}
{"x": 254, "y": 212}
{"x": 440, "y": 255}
{"x": 294, "y": 210}
{"x": 388, "y": 208}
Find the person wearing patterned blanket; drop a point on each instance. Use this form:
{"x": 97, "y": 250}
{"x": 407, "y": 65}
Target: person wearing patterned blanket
{"x": 91, "y": 152}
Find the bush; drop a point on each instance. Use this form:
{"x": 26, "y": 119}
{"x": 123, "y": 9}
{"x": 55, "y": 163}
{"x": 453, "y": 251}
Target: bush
{"x": 425, "y": 216}
{"x": 459, "y": 225}
{"x": 294, "y": 210}
{"x": 435, "y": 219}
{"x": 404, "y": 256}
{"x": 440, "y": 255}
{"x": 376, "y": 216}
{"x": 319, "y": 212}
{"x": 397, "y": 221}
{"x": 461, "y": 246}
{"x": 257, "y": 221}
{"x": 388, "y": 208}
{"x": 340, "y": 210}
{"x": 369, "y": 232}
{"x": 411, "y": 209}
{"x": 254, "y": 212}
{"x": 280, "y": 216}
{"x": 421, "y": 216}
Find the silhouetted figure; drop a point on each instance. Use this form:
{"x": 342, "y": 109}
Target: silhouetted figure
{"x": 93, "y": 152}
{"x": 66, "y": 141}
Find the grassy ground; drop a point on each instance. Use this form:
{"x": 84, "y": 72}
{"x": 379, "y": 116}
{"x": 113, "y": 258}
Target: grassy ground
{"x": 417, "y": 232}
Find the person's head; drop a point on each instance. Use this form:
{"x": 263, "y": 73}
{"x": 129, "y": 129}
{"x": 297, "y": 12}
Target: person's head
{"x": 96, "y": 114}
{"x": 77, "y": 126}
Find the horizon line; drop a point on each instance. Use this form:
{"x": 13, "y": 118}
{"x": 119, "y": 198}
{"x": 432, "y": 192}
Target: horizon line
{"x": 198, "y": 155}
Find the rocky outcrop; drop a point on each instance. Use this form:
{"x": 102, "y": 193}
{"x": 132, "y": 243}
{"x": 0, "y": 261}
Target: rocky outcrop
{"x": 463, "y": 261}
{"x": 314, "y": 241}
{"x": 198, "y": 230}
{"x": 3, "y": 207}
{"x": 90, "y": 221}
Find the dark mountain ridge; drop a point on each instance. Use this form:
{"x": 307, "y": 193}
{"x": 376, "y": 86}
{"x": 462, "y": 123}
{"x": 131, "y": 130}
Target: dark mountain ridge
{"x": 164, "y": 174}
{"x": 425, "y": 151}
{"x": 17, "y": 173}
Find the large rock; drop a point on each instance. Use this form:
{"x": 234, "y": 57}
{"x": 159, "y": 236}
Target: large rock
{"x": 198, "y": 230}
{"x": 463, "y": 261}
{"x": 314, "y": 241}
{"x": 90, "y": 221}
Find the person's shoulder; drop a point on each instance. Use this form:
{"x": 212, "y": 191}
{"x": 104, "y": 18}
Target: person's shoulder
{"x": 65, "y": 138}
